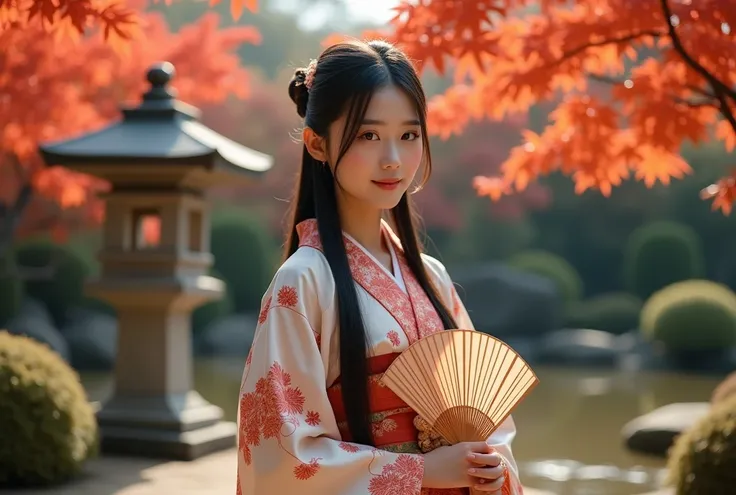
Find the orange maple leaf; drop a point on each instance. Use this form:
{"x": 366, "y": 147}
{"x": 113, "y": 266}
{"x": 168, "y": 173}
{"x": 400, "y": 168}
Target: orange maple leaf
{"x": 723, "y": 193}
{"x": 617, "y": 111}
{"x": 52, "y": 74}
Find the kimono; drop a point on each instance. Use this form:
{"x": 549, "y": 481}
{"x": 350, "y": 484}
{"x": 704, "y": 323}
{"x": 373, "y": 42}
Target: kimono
{"x": 293, "y": 435}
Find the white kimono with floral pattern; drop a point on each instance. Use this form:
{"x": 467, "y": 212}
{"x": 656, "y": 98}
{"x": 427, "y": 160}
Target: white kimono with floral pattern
{"x": 290, "y": 439}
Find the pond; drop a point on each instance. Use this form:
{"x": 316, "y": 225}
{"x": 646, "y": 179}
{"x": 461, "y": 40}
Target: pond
{"x": 569, "y": 439}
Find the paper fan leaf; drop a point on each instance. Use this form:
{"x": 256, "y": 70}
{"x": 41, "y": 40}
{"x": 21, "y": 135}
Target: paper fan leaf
{"x": 465, "y": 383}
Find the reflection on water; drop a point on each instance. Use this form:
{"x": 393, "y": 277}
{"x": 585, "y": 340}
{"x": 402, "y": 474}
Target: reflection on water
{"x": 568, "y": 441}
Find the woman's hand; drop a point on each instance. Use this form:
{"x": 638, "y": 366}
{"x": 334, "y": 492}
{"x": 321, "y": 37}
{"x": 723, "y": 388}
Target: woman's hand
{"x": 447, "y": 467}
{"x": 488, "y": 471}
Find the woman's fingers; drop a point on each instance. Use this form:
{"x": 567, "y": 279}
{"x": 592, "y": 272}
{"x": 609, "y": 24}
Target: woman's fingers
{"x": 493, "y": 459}
{"x": 494, "y": 486}
{"x": 479, "y": 448}
{"x": 489, "y": 473}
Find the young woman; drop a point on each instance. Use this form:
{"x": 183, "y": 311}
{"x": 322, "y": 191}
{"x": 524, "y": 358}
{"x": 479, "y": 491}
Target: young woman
{"x": 352, "y": 294}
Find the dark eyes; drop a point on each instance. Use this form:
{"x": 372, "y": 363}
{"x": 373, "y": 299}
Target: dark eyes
{"x": 372, "y": 136}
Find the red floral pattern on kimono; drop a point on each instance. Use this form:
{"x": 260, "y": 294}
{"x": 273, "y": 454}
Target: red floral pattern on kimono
{"x": 289, "y": 439}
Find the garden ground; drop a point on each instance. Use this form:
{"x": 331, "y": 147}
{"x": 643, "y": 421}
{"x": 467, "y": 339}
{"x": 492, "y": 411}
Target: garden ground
{"x": 111, "y": 475}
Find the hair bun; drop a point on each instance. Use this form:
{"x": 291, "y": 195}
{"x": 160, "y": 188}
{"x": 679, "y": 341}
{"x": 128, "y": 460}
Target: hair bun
{"x": 298, "y": 91}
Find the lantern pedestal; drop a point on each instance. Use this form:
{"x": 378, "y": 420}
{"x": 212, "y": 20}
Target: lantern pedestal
{"x": 154, "y": 410}
{"x": 160, "y": 162}
{"x": 178, "y": 426}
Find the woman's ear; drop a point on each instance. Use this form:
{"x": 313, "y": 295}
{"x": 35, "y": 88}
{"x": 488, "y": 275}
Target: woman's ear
{"x": 316, "y": 145}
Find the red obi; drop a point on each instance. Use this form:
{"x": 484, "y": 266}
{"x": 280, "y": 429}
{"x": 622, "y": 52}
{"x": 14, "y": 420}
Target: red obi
{"x": 392, "y": 419}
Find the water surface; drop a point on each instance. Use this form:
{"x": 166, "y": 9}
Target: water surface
{"x": 569, "y": 429}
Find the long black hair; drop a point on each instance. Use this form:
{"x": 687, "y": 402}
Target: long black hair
{"x": 346, "y": 77}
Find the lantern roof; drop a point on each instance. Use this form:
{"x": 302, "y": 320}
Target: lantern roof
{"x": 161, "y": 130}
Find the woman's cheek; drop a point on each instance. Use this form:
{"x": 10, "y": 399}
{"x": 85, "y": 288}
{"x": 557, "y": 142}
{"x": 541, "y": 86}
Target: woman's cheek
{"x": 413, "y": 157}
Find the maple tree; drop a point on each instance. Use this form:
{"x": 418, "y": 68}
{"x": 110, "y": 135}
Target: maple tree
{"x": 55, "y": 86}
{"x": 119, "y": 20}
{"x": 669, "y": 65}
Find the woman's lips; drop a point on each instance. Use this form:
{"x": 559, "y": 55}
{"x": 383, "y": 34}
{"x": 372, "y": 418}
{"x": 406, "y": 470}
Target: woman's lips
{"x": 387, "y": 184}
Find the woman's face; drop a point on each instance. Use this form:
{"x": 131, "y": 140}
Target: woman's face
{"x": 381, "y": 163}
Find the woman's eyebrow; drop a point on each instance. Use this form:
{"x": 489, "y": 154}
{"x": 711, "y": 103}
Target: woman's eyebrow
{"x": 381, "y": 122}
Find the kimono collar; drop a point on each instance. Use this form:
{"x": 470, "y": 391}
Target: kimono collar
{"x": 308, "y": 234}
{"x": 412, "y": 310}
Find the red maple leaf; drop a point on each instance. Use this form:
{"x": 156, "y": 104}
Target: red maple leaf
{"x": 59, "y": 86}
{"x": 639, "y": 79}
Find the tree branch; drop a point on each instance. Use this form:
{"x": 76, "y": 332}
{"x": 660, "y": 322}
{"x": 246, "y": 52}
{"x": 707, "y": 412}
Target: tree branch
{"x": 708, "y": 101}
{"x": 10, "y": 219}
{"x": 608, "y": 41}
{"x": 701, "y": 91}
{"x": 720, "y": 90}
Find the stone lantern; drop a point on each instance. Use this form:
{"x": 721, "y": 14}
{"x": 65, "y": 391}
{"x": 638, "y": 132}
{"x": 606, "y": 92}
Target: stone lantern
{"x": 155, "y": 259}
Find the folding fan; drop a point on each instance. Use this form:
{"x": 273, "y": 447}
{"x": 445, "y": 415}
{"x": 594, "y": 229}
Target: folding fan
{"x": 463, "y": 382}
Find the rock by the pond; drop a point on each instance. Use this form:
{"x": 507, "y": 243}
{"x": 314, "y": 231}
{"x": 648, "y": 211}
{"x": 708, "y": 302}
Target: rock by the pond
{"x": 92, "y": 338}
{"x": 229, "y": 336}
{"x": 579, "y": 347}
{"x": 33, "y": 321}
{"x": 506, "y": 302}
{"x": 654, "y": 432}
{"x": 639, "y": 353}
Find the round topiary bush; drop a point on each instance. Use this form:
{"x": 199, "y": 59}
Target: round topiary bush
{"x": 691, "y": 316}
{"x": 48, "y": 428}
{"x": 659, "y": 254}
{"x": 245, "y": 256}
{"x": 702, "y": 461}
{"x": 62, "y": 290}
{"x": 615, "y": 312}
{"x": 553, "y": 267}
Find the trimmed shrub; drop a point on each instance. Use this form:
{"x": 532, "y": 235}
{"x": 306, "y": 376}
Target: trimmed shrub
{"x": 65, "y": 287}
{"x": 659, "y": 254}
{"x": 691, "y": 316}
{"x": 703, "y": 459}
{"x": 615, "y": 312}
{"x": 245, "y": 256}
{"x": 553, "y": 267}
{"x": 47, "y": 426}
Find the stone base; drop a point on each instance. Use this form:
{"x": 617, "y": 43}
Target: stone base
{"x": 169, "y": 426}
{"x": 167, "y": 444}
{"x": 655, "y": 432}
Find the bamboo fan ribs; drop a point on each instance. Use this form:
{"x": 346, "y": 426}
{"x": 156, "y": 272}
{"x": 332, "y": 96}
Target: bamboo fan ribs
{"x": 463, "y": 382}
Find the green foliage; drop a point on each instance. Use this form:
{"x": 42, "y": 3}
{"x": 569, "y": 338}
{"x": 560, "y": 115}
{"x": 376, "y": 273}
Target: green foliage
{"x": 47, "y": 426}
{"x": 661, "y": 253}
{"x": 11, "y": 291}
{"x": 614, "y": 312}
{"x": 211, "y": 311}
{"x": 694, "y": 315}
{"x": 703, "y": 459}
{"x": 245, "y": 255}
{"x": 65, "y": 287}
{"x": 553, "y": 267}
{"x": 483, "y": 237}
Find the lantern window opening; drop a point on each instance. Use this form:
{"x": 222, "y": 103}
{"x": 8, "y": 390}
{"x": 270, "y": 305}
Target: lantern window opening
{"x": 146, "y": 228}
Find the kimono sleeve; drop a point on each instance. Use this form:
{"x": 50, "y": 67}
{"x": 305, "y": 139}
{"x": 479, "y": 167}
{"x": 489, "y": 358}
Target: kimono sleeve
{"x": 288, "y": 439}
{"x": 503, "y": 437}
